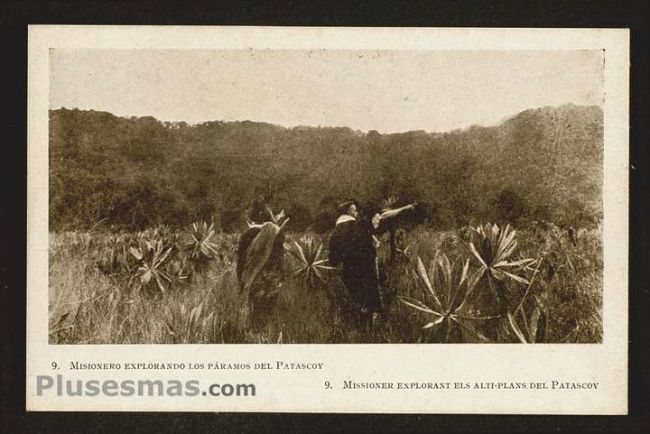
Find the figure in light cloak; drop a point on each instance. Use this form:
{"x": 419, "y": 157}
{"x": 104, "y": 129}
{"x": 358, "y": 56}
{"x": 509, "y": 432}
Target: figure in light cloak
{"x": 259, "y": 265}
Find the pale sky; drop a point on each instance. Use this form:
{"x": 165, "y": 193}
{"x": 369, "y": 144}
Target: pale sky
{"x": 388, "y": 91}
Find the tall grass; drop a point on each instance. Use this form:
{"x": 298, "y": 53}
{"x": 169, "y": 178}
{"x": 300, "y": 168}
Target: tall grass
{"x": 92, "y": 305}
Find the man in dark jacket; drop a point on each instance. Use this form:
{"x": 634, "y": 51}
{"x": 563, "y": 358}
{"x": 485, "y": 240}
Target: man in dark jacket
{"x": 353, "y": 247}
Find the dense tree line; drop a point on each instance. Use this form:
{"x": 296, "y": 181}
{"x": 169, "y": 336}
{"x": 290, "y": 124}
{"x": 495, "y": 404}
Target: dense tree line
{"x": 542, "y": 164}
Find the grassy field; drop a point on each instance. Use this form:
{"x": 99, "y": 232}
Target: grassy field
{"x": 481, "y": 284}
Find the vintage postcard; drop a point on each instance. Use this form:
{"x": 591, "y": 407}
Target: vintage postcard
{"x": 390, "y": 220}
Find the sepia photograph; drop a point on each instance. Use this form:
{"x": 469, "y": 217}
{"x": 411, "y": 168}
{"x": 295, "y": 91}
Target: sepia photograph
{"x": 325, "y": 196}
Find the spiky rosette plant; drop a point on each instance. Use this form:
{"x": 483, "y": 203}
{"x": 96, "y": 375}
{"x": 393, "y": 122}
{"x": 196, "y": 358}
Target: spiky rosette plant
{"x": 184, "y": 325}
{"x": 491, "y": 248}
{"x": 114, "y": 256}
{"x": 151, "y": 257}
{"x": 529, "y": 328}
{"x": 448, "y": 292}
{"x": 307, "y": 255}
{"x": 529, "y": 321}
{"x": 200, "y": 247}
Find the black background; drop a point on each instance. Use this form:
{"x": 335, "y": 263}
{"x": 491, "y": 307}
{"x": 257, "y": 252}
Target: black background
{"x": 14, "y": 18}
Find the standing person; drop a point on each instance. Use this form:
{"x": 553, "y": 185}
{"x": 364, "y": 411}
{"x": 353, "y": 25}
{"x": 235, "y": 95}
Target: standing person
{"x": 391, "y": 228}
{"x": 259, "y": 265}
{"x": 353, "y": 247}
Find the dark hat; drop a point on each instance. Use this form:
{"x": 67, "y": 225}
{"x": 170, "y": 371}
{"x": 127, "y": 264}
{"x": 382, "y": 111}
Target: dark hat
{"x": 342, "y": 208}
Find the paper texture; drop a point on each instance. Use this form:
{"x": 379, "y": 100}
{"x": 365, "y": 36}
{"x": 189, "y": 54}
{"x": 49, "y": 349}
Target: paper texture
{"x": 437, "y": 85}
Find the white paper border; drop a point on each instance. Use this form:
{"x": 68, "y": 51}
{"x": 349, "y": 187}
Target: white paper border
{"x": 300, "y": 392}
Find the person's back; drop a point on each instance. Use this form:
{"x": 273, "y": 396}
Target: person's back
{"x": 341, "y": 245}
{"x": 351, "y": 246}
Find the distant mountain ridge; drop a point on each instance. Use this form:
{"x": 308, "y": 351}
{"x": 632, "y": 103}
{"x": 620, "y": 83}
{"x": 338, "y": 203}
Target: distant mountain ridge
{"x": 542, "y": 163}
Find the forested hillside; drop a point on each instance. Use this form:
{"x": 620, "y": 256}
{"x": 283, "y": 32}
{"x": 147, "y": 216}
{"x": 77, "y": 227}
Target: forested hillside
{"x": 542, "y": 164}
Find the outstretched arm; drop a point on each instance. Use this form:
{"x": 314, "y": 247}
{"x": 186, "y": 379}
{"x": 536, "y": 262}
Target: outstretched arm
{"x": 392, "y": 213}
